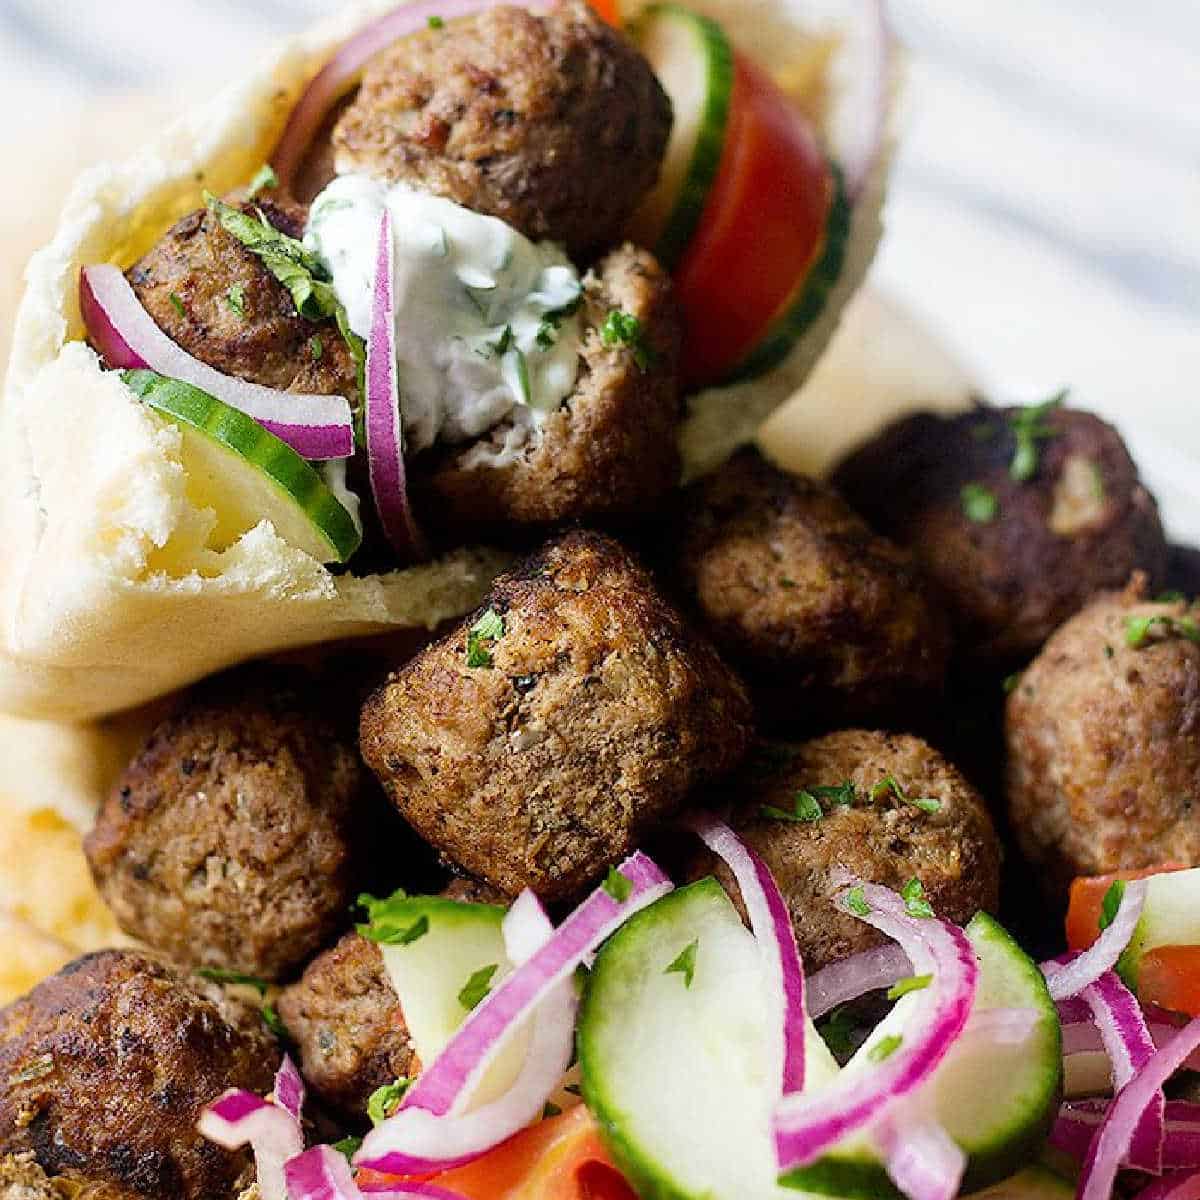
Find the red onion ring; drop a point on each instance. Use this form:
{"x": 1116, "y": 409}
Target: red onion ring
{"x": 344, "y": 70}
{"x": 384, "y": 421}
{"x": 920, "y": 1157}
{"x": 772, "y": 927}
{"x": 1103, "y": 953}
{"x": 316, "y": 427}
{"x": 1078, "y": 1121}
{"x": 808, "y": 1124}
{"x": 867, "y": 971}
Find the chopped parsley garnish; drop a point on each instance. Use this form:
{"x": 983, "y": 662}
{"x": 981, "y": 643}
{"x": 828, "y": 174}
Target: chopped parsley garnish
{"x": 437, "y": 22}
{"x": 348, "y": 1147}
{"x": 1111, "y": 903}
{"x": 979, "y": 504}
{"x": 1012, "y": 682}
{"x": 838, "y": 1031}
{"x": 316, "y": 347}
{"x": 856, "y": 902}
{"x": 273, "y": 1021}
{"x": 806, "y": 809}
{"x": 624, "y": 329}
{"x": 841, "y": 795}
{"x": 391, "y": 922}
{"x": 617, "y": 886}
{"x": 221, "y": 975}
{"x": 503, "y": 344}
{"x": 486, "y": 632}
{"x": 476, "y": 989}
{"x": 264, "y": 178}
{"x": 177, "y": 304}
{"x": 385, "y": 1100}
{"x": 522, "y": 364}
{"x": 914, "y": 983}
{"x": 885, "y": 1047}
{"x": 236, "y": 297}
{"x": 1029, "y": 427}
{"x": 547, "y": 335}
{"x": 1138, "y": 629}
{"x": 890, "y": 784}
{"x": 685, "y": 963}
{"x": 915, "y": 903}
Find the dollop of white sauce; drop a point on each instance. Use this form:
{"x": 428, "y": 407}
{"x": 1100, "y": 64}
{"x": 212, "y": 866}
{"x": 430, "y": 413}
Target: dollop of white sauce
{"x": 487, "y": 325}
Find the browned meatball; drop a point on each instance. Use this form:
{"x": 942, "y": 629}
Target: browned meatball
{"x": 826, "y": 619}
{"x": 1103, "y": 735}
{"x": 104, "y": 1068}
{"x": 553, "y": 122}
{"x": 217, "y": 300}
{"x": 609, "y": 451}
{"x": 539, "y": 749}
{"x": 866, "y": 785}
{"x": 229, "y": 841}
{"x": 1013, "y": 558}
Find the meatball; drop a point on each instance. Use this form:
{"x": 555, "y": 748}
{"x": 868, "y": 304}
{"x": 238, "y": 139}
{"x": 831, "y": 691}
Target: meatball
{"x": 609, "y": 451}
{"x": 893, "y": 809}
{"x": 1103, "y": 734}
{"x": 538, "y": 742}
{"x": 553, "y": 122}
{"x": 229, "y": 841}
{"x": 216, "y": 299}
{"x": 1014, "y": 557}
{"x": 104, "y": 1069}
{"x": 826, "y": 619}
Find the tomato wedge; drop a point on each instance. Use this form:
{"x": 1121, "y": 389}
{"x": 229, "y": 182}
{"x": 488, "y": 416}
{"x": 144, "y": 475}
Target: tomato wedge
{"x": 1169, "y": 976}
{"x": 561, "y": 1158}
{"x": 1087, "y": 902}
{"x": 607, "y": 10}
{"x": 762, "y": 230}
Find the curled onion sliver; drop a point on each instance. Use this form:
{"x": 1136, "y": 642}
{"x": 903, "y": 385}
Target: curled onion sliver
{"x": 1078, "y": 1120}
{"x": 344, "y": 70}
{"x": 289, "y": 1089}
{"x": 1103, "y": 953}
{"x": 867, "y": 971}
{"x": 384, "y": 421}
{"x": 316, "y": 427}
{"x": 415, "y": 1142}
{"x": 920, "y": 1157}
{"x": 772, "y": 927}
{"x": 809, "y": 1123}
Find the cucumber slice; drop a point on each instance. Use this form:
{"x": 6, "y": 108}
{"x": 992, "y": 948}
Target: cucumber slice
{"x": 1170, "y": 917}
{"x": 693, "y": 60}
{"x": 246, "y": 475}
{"x": 997, "y": 1102}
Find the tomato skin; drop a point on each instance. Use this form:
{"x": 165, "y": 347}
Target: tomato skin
{"x": 1169, "y": 976}
{"x": 1087, "y": 901}
{"x": 607, "y": 10}
{"x": 762, "y": 228}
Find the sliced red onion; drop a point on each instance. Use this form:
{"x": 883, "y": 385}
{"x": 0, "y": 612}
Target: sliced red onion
{"x": 323, "y": 1174}
{"x": 920, "y": 1157}
{"x": 385, "y": 428}
{"x": 1082, "y": 1037}
{"x": 1173, "y": 1187}
{"x": 544, "y": 981}
{"x": 1078, "y": 1121}
{"x": 808, "y": 1124}
{"x": 1102, "y": 955}
{"x": 344, "y": 70}
{"x": 867, "y": 971}
{"x": 240, "y": 1118}
{"x": 289, "y": 1089}
{"x": 316, "y": 427}
{"x": 772, "y": 927}
{"x": 1111, "y": 1144}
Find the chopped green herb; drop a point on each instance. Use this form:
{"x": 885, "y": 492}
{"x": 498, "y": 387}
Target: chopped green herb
{"x": 856, "y": 902}
{"x": 1139, "y": 629}
{"x": 551, "y": 1110}
{"x": 1029, "y": 427}
{"x": 1109, "y": 652}
{"x": 523, "y": 375}
{"x": 915, "y": 903}
{"x": 838, "y": 1032}
{"x": 348, "y": 1147}
{"x": 236, "y": 297}
{"x": 390, "y": 922}
{"x": 979, "y": 503}
{"x": 272, "y": 1020}
{"x": 385, "y": 1100}
{"x": 1012, "y": 682}
{"x": 547, "y": 335}
{"x": 617, "y": 886}
{"x": 914, "y": 983}
{"x": 177, "y": 304}
{"x": 1172, "y": 597}
{"x": 841, "y": 795}
{"x": 1112, "y": 902}
{"x": 488, "y": 630}
{"x": 476, "y": 989}
{"x": 624, "y": 329}
{"x": 806, "y": 809}
{"x": 503, "y": 344}
{"x": 437, "y": 23}
{"x": 784, "y": 582}
{"x": 685, "y": 963}
{"x": 889, "y": 783}
{"x": 885, "y": 1047}
{"x": 316, "y": 347}
{"x": 221, "y": 975}
{"x": 265, "y": 178}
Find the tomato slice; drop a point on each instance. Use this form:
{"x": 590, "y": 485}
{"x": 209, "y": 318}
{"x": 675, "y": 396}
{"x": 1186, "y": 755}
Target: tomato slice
{"x": 607, "y": 10}
{"x": 1169, "y": 976}
{"x": 762, "y": 229}
{"x": 1087, "y": 901}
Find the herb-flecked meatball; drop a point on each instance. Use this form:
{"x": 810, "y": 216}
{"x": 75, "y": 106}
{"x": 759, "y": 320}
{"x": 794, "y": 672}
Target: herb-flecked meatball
{"x": 537, "y": 743}
{"x": 1019, "y": 515}
{"x": 608, "y": 452}
{"x": 1103, "y": 734}
{"x": 827, "y": 620}
{"x": 230, "y": 840}
{"x": 552, "y": 122}
{"x": 104, "y": 1069}
{"x": 887, "y": 808}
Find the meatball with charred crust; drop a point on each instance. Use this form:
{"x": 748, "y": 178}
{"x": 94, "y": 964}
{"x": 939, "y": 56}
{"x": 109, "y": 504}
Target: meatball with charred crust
{"x": 552, "y": 122}
{"x": 215, "y": 298}
{"x": 886, "y": 808}
{"x": 1103, "y": 735}
{"x": 537, "y": 743}
{"x": 609, "y": 451}
{"x": 230, "y": 839}
{"x": 104, "y": 1069}
{"x": 1019, "y": 515}
{"x": 827, "y": 620}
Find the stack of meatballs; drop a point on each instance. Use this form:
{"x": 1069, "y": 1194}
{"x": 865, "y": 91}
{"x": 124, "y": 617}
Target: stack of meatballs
{"x": 795, "y": 654}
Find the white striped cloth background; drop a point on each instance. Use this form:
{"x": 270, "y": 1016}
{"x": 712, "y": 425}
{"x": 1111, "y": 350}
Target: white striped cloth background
{"x": 1045, "y": 218}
